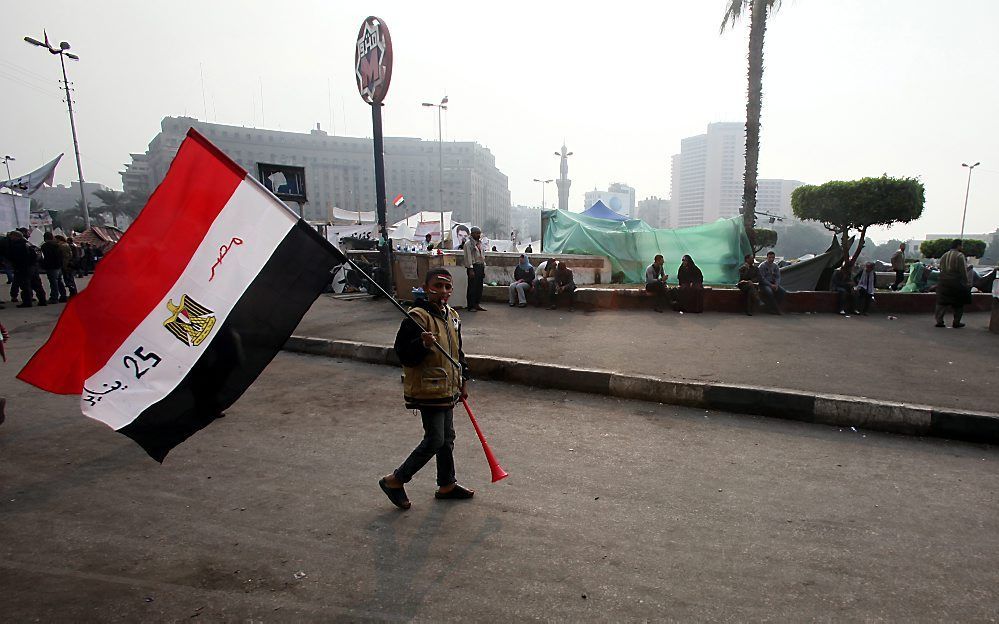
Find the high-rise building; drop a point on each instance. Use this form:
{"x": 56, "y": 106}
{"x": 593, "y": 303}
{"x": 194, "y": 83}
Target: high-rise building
{"x": 774, "y": 197}
{"x": 707, "y": 175}
{"x": 339, "y": 171}
{"x": 655, "y": 211}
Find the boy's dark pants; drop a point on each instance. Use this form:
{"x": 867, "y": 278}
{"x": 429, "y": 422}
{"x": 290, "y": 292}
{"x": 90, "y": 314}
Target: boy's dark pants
{"x": 438, "y": 439}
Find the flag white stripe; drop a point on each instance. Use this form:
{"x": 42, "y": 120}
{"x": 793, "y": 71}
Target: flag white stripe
{"x": 237, "y": 245}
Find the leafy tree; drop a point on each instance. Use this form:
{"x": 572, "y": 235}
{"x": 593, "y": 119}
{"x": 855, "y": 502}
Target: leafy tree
{"x": 764, "y": 239}
{"x": 759, "y": 10}
{"x": 857, "y": 205}
{"x": 115, "y": 203}
{"x": 938, "y": 247}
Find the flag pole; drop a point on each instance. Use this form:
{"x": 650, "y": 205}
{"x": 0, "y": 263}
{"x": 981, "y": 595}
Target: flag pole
{"x": 401, "y": 309}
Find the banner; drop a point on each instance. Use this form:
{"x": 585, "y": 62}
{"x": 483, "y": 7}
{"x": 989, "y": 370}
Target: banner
{"x": 28, "y": 184}
{"x": 14, "y": 212}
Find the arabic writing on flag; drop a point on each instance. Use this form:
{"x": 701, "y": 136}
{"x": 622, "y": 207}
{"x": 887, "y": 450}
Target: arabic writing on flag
{"x": 218, "y": 273}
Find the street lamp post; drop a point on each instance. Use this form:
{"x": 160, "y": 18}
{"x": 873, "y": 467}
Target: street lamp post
{"x": 966, "y": 192}
{"x": 543, "y": 183}
{"x": 62, "y": 51}
{"x": 440, "y": 154}
{"x": 13, "y": 202}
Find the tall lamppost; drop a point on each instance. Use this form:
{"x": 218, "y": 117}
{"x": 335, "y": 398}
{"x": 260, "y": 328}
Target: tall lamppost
{"x": 543, "y": 183}
{"x": 966, "y": 192}
{"x": 440, "y": 153}
{"x": 62, "y": 51}
{"x": 13, "y": 202}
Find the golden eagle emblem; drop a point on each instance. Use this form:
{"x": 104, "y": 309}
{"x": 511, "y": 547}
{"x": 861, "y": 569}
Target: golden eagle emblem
{"x": 189, "y": 321}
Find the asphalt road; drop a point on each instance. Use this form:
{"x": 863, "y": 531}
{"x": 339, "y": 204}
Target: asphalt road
{"x": 904, "y": 360}
{"x": 614, "y": 511}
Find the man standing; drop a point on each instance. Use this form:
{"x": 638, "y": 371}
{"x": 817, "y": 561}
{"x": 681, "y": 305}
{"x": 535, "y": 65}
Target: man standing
{"x": 898, "y": 265}
{"x": 953, "y": 289}
{"x": 655, "y": 282}
{"x": 433, "y": 385}
{"x": 475, "y": 265}
{"x": 429, "y": 245}
{"x": 770, "y": 286}
{"x": 52, "y": 262}
{"x": 67, "y": 265}
{"x": 24, "y": 260}
{"x": 749, "y": 279}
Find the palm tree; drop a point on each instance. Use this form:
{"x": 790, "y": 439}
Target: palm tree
{"x": 115, "y": 204}
{"x": 759, "y": 11}
{"x": 72, "y": 218}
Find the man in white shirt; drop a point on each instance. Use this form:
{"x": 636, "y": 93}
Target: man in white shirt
{"x": 475, "y": 265}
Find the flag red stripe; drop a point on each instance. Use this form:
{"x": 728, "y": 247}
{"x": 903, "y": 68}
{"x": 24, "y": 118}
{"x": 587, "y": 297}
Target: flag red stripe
{"x": 135, "y": 276}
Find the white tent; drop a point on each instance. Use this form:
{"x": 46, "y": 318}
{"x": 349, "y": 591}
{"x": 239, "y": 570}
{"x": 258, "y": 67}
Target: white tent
{"x": 352, "y": 216}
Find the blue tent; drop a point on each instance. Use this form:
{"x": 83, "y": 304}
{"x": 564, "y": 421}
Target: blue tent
{"x": 600, "y": 210}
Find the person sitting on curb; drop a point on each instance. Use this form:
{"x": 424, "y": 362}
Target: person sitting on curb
{"x": 918, "y": 274}
{"x": 690, "y": 294}
{"x": 655, "y": 282}
{"x": 523, "y": 277}
{"x": 749, "y": 279}
{"x": 842, "y": 285}
{"x": 561, "y": 282}
{"x": 866, "y": 282}
{"x": 898, "y": 265}
{"x": 770, "y": 287}
{"x": 544, "y": 275}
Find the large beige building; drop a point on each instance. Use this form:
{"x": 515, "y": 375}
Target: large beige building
{"x": 339, "y": 171}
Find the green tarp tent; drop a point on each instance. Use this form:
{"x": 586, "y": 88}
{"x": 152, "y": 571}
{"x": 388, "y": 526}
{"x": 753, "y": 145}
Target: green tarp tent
{"x": 717, "y": 248}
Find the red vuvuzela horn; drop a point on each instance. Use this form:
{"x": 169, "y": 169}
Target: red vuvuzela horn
{"x": 494, "y": 467}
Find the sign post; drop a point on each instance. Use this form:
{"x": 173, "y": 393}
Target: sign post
{"x": 373, "y": 71}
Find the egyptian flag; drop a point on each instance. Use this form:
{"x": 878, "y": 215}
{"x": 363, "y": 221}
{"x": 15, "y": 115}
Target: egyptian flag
{"x": 189, "y": 307}
{"x": 398, "y": 201}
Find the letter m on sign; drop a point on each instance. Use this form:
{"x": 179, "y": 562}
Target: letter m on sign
{"x": 371, "y": 71}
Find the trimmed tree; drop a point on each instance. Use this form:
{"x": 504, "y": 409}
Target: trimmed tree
{"x": 938, "y": 247}
{"x": 765, "y": 239}
{"x": 843, "y": 207}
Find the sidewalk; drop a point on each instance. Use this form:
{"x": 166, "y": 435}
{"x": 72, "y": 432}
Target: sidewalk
{"x": 903, "y": 360}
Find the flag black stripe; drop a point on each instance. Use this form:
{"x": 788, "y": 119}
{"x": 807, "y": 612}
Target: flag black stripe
{"x": 252, "y": 334}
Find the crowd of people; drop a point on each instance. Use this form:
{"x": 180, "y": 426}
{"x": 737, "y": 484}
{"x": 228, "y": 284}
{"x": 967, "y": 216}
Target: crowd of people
{"x": 59, "y": 258}
{"x": 552, "y": 281}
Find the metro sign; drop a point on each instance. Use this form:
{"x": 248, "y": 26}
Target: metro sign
{"x": 373, "y": 60}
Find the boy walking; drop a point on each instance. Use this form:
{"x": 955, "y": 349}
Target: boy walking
{"x": 433, "y": 385}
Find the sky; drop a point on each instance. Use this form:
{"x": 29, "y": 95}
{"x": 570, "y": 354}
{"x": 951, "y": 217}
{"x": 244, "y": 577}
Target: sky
{"x": 852, "y": 88}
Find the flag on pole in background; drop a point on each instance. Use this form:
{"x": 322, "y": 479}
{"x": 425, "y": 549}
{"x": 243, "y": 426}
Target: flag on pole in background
{"x": 189, "y": 307}
{"x": 28, "y": 184}
{"x": 398, "y": 201}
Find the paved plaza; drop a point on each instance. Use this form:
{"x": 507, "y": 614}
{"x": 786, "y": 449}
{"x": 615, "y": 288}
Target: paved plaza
{"x": 614, "y": 511}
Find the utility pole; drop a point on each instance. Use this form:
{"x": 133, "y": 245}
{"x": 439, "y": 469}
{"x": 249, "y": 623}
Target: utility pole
{"x": 62, "y": 51}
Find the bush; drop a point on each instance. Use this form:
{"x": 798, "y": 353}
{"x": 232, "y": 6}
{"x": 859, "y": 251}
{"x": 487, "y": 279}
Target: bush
{"x": 940, "y": 246}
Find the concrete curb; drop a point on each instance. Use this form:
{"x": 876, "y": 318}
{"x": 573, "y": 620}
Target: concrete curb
{"x": 825, "y": 409}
